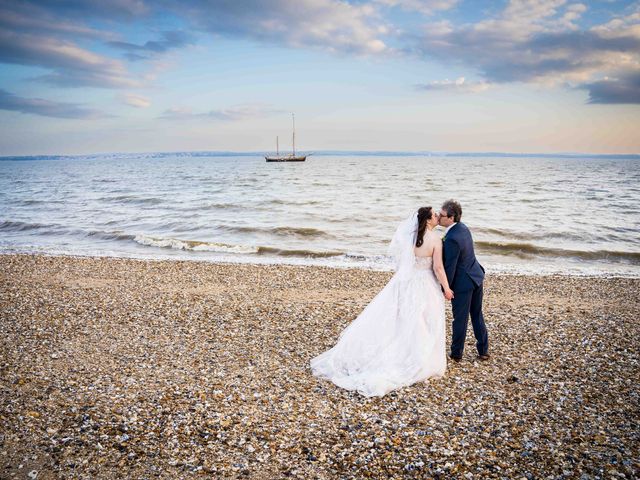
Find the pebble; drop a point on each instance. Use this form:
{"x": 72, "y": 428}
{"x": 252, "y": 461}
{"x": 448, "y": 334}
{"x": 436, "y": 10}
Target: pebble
{"x": 122, "y": 368}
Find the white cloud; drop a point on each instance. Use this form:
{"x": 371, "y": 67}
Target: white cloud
{"x": 172, "y": 39}
{"x": 36, "y": 20}
{"x": 628, "y": 25}
{"x": 136, "y": 101}
{"x": 233, "y": 113}
{"x": 459, "y": 85}
{"x": 72, "y": 65}
{"x": 533, "y": 41}
{"x": 46, "y": 108}
{"x": 427, "y": 7}
{"x": 539, "y": 42}
{"x": 56, "y": 36}
{"x": 334, "y": 25}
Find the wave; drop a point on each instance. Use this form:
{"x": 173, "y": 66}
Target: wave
{"x": 55, "y": 229}
{"x": 194, "y": 245}
{"x": 306, "y": 232}
{"x": 223, "y": 206}
{"x": 16, "y": 226}
{"x": 133, "y": 199}
{"x": 278, "y": 201}
{"x": 200, "y": 246}
{"x": 115, "y": 235}
{"x": 298, "y": 253}
{"x": 180, "y": 244}
{"x": 526, "y": 250}
{"x": 33, "y": 201}
{"x": 526, "y": 237}
{"x": 245, "y": 207}
{"x": 520, "y": 247}
{"x": 40, "y": 228}
{"x": 299, "y": 231}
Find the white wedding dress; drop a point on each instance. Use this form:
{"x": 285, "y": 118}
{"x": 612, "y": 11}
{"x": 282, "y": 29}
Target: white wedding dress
{"x": 399, "y": 338}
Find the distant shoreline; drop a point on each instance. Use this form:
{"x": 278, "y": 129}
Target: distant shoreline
{"x": 325, "y": 153}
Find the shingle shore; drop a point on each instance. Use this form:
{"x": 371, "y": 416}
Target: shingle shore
{"x": 120, "y": 368}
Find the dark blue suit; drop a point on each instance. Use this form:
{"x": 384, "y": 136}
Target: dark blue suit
{"x": 465, "y": 276}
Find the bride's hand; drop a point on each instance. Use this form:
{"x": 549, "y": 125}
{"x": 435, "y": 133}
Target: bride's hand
{"x": 448, "y": 294}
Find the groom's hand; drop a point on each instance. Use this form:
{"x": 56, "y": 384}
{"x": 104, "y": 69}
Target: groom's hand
{"x": 448, "y": 294}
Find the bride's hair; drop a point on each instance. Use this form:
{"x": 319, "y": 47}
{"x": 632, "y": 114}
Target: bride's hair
{"x": 424, "y": 215}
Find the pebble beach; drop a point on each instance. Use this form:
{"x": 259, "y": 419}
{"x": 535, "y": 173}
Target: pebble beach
{"x": 124, "y": 368}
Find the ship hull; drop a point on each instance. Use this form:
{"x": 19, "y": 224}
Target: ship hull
{"x": 285, "y": 159}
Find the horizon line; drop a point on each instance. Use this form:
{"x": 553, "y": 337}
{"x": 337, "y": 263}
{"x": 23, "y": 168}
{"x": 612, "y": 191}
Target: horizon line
{"x": 232, "y": 153}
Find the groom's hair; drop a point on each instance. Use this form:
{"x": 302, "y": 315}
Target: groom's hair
{"x": 453, "y": 209}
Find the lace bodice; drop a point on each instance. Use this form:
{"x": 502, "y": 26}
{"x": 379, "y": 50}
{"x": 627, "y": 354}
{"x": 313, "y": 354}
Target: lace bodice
{"x": 424, "y": 263}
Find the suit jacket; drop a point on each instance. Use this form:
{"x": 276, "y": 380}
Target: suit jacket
{"x": 463, "y": 271}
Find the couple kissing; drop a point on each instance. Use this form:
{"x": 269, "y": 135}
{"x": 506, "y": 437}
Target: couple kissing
{"x": 399, "y": 338}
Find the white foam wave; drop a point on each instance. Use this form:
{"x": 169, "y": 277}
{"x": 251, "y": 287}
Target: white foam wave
{"x": 195, "y": 246}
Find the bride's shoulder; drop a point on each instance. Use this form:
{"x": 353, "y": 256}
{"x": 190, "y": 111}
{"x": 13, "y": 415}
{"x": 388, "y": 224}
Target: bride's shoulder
{"x": 433, "y": 235}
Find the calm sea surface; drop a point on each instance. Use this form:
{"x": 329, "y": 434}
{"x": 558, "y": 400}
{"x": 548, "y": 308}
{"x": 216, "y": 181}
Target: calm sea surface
{"x": 530, "y": 215}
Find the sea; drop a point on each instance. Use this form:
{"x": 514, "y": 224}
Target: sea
{"x": 542, "y": 215}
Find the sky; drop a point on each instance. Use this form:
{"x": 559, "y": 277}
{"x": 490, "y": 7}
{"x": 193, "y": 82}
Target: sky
{"x": 523, "y": 76}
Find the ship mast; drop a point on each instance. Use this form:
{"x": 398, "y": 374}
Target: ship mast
{"x": 277, "y": 148}
{"x": 294, "y": 134}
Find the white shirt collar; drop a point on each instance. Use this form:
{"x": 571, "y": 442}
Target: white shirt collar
{"x": 450, "y": 227}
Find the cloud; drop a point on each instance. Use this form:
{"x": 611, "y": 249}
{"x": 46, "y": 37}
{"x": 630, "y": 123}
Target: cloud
{"x": 81, "y": 9}
{"x": 531, "y": 41}
{"x": 537, "y": 42}
{"x": 333, "y": 25}
{"x": 459, "y": 85}
{"x": 55, "y": 36}
{"x": 136, "y": 101}
{"x": 31, "y": 34}
{"x": 28, "y": 18}
{"x": 426, "y": 7}
{"x": 171, "y": 40}
{"x": 71, "y": 64}
{"x": 47, "y": 108}
{"x": 625, "y": 89}
{"x": 336, "y": 25}
{"x": 234, "y": 113}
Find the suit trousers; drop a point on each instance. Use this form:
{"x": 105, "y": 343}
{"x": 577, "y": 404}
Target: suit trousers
{"x": 465, "y": 304}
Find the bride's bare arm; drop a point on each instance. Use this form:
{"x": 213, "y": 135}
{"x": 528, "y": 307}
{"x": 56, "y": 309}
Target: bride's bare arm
{"x": 438, "y": 269}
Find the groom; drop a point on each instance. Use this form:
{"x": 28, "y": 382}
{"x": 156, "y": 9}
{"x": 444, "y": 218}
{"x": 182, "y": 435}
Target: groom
{"x": 465, "y": 276}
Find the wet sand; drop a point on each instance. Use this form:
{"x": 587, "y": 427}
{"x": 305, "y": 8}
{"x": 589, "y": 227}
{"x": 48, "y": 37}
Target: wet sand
{"x": 118, "y": 368}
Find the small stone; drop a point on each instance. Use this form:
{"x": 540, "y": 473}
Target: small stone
{"x": 175, "y": 368}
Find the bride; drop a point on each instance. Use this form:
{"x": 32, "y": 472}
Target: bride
{"x": 399, "y": 338}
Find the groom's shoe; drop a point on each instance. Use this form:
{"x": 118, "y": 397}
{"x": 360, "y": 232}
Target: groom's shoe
{"x": 455, "y": 359}
{"x": 484, "y": 357}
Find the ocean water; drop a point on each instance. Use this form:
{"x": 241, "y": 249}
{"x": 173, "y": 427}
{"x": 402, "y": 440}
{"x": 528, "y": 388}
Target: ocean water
{"x": 529, "y": 215}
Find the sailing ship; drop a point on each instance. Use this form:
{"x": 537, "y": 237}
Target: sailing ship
{"x": 287, "y": 158}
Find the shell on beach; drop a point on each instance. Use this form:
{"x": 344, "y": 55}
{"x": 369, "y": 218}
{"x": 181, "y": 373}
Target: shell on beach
{"x": 115, "y": 368}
